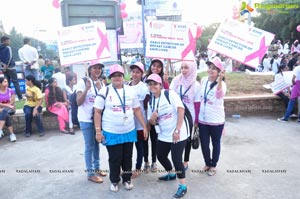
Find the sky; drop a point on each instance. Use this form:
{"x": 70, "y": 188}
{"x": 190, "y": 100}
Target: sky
{"x": 39, "y": 19}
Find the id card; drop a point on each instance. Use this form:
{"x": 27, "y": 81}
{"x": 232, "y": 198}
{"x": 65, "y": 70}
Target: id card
{"x": 157, "y": 129}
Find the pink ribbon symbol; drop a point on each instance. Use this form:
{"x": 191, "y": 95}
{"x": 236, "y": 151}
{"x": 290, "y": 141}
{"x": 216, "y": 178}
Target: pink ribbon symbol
{"x": 259, "y": 53}
{"x": 55, "y": 3}
{"x": 191, "y": 46}
{"x": 103, "y": 44}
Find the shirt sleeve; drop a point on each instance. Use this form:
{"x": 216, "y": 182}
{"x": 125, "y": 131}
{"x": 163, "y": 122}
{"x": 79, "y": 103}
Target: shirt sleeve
{"x": 175, "y": 99}
{"x": 80, "y": 86}
{"x": 99, "y": 100}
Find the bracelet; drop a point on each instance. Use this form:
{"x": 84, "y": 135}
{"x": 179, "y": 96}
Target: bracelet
{"x": 98, "y": 128}
{"x": 98, "y": 133}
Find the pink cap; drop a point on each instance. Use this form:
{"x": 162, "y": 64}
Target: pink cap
{"x": 96, "y": 62}
{"x": 139, "y": 65}
{"x": 217, "y": 62}
{"x": 116, "y": 68}
{"x": 154, "y": 77}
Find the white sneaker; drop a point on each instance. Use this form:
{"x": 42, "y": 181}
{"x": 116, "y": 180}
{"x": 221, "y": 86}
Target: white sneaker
{"x": 128, "y": 185}
{"x": 1, "y": 134}
{"x": 12, "y": 137}
{"x": 114, "y": 187}
{"x": 153, "y": 167}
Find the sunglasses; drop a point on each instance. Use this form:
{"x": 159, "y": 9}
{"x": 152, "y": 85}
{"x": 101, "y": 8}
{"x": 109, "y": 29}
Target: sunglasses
{"x": 116, "y": 75}
{"x": 153, "y": 84}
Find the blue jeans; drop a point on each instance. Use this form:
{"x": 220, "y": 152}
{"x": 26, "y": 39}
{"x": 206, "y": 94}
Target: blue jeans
{"x": 207, "y": 132}
{"x": 28, "y": 110}
{"x": 289, "y": 109}
{"x": 33, "y": 72}
{"x": 91, "y": 151}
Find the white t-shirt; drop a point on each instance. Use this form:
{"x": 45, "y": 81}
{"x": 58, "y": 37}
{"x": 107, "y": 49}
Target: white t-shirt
{"x": 28, "y": 54}
{"x": 211, "y": 112}
{"x": 167, "y": 115}
{"x": 113, "y": 115}
{"x": 85, "y": 110}
{"x": 141, "y": 90}
{"x": 296, "y": 72}
{"x": 187, "y": 98}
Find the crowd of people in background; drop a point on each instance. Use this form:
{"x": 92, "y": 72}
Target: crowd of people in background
{"x": 121, "y": 114}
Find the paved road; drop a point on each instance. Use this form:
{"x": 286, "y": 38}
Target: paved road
{"x": 259, "y": 160}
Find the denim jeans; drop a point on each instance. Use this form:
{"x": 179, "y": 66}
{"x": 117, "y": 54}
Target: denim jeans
{"x": 11, "y": 75}
{"x": 214, "y": 133}
{"x": 289, "y": 109}
{"x": 28, "y": 110}
{"x": 33, "y": 72}
{"x": 91, "y": 148}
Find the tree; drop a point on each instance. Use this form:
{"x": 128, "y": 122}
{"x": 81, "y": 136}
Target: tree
{"x": 208, "y": 33}
{"x": 282, "y": 22}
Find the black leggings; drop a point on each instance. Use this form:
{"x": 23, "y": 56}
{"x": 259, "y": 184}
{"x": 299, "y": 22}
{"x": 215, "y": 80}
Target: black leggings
{"x": 153, "y": 138}
{"x": 163, "y": 150}
{"x": 187, "y": 150}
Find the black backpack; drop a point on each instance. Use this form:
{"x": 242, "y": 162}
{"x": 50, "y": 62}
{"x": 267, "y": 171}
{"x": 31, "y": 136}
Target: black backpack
{"x": 188, "y": 119}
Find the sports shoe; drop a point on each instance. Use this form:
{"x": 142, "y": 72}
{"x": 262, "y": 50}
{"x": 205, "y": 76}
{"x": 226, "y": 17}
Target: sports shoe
{"x": 114, "y": 187}
{"x": 212, "y": 171}
{"x": 282, "y": 120}
{"x": 12, "y": 137}
{"x": 180, "y": 192}
{"x": 168, "y": 177}
{"x": 128, "y": 185}
{"x": 27, "y": 134}
{"x": 1, "y": 134}
{"x": 42, "y": 134}
{"x": 147, "y": 167}
{"x": 153, "y": 167}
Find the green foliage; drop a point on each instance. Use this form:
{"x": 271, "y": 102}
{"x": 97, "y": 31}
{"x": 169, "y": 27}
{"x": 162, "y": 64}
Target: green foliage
{"x": 208, "y": 33}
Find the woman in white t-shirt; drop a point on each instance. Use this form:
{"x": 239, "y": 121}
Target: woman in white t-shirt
{"x": 87, "y": 90}
{"x": 212, "y": 115}
{"x": 166, "y": 115}
{"x": 137, "y": 71}
{"x": 187, "y": 87}
{"x": 115, "y": 128}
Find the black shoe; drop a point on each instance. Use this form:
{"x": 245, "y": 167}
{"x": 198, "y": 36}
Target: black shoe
{"x": 180, "y": 192}
{"x": 167, "y": 177}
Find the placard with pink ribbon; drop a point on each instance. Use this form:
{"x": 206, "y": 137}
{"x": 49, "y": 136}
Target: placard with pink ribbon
{"x": 171, "y": 40}
{"x": 84, "y": 42}
{"x": 241, "y": 42}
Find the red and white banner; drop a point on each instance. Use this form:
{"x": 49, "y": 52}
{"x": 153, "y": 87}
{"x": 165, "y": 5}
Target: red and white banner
{"x": 84, "y": 42}
{"x": 241, "y": 42}
{"x": 171, "y": 40}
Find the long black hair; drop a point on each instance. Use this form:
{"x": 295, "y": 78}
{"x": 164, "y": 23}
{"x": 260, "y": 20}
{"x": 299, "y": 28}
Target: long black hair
{"x": 55, "y": 93}
{"x": 149, "y": 72}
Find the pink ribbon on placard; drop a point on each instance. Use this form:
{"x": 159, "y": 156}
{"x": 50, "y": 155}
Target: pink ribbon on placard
{"x": 259, "y": 53}
{"x": 191, "y": 46}
{"x": 55, "y": 3}
{"x": 103, "y": 44}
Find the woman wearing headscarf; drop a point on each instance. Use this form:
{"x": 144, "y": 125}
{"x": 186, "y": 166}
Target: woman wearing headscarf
{"x": 187, "y": 87}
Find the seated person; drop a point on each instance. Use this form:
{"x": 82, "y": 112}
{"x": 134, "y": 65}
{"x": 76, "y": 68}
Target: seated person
{"x": 7, "y": 100}
{"x": 33, "y": 105}
{"x": 56, "y": 104}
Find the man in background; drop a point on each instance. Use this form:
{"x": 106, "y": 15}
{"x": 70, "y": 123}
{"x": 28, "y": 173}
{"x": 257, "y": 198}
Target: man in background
{"x": 29, "y": 56}
{"x": 8, "y": 65}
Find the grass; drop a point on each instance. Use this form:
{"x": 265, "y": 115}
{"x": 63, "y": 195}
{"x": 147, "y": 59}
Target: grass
{"x": 239, "y": 84}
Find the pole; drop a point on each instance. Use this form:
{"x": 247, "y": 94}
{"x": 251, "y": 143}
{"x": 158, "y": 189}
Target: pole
{"x": 143, "y": 26}
{"x": 249, "y": 14}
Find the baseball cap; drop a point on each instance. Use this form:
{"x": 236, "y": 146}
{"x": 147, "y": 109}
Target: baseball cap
{"x": 96, "y": 62}
{"x": 154, "y": 77}
{"x": 138, "y": 65}
{"x": 215, "y": 61}
{"x": 115, "y": 68}
{"x": 157, "y": 60}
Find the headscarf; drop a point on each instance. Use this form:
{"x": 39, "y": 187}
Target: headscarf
{"x": 188, "y": 79}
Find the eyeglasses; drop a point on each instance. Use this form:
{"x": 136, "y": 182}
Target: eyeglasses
{"x": 153, "y": 84}
{"x": 117, "y": 75}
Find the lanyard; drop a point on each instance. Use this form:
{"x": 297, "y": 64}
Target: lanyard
{"x": 153, "y": 99}
{"x": 95, "y": 88}
{"x": 206, "y": 93}
{"x": 182, "y": 95}
{"x": 122, "y": 102}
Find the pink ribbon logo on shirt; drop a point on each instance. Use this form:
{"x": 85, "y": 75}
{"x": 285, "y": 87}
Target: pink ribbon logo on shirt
{"x": 103, "y": 44}
{"x": 190, "y": 47}
{"x": 259, "y": 53}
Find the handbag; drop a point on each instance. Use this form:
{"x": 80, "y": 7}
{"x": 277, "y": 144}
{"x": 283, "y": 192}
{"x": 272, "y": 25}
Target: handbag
{"x": 195, "y": 139}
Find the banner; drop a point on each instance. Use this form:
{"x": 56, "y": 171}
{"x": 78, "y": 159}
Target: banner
{"x": 84, "y": 42}
{"x": 241, "y": 42}
{"x": 171, "y": 40}
{"x": 281, "y": 82}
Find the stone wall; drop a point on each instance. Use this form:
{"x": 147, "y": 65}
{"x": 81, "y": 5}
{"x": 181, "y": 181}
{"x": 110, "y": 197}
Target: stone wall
{"x": 264, "y": 104}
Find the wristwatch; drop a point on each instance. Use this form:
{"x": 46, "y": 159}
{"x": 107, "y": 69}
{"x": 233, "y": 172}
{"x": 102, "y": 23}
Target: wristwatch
{"x": 176, "y": 131}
